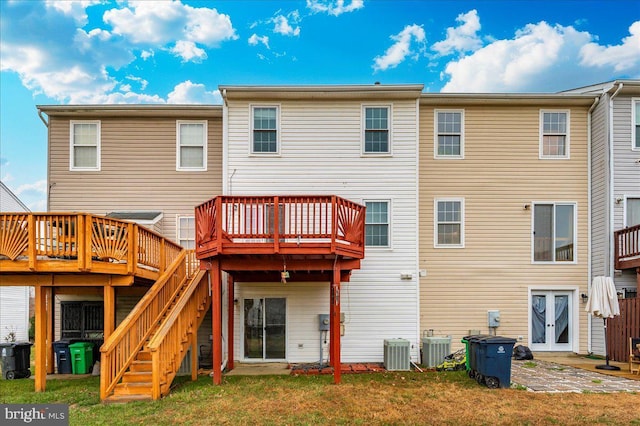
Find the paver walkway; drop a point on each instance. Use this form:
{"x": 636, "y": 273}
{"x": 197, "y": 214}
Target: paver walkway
{"x": 544, "y": 376}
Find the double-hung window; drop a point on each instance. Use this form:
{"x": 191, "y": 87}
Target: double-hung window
{"x": 376, "y": 228}
{"x": 635, "y": 131}
{"x": 264, "y": 129}
{"x": 85, "y": 146}
{"x": 449, "y": 223}
{"x": 187, "y": 231}
{"x": 376, "y": 130}
{"x": 449, "y": 137}
{"x": 554, "y": 232}
{"x": 632, "y": 207}
{"x": 554, "y": 134}
{"x": 191, "y": 146}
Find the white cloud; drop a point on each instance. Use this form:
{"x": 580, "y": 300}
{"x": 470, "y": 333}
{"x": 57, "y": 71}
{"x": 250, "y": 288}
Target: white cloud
{"x": 146, "y": 54}
{"x": 39, "y": 187}
{"x": 188, "y": 51}
{"x": 407, "y": 41}
{"x": 539, "y": 58}
{"x": 623, "y": 57}
{"x": 282, "y": 25}
{"x": 334, "y": 7}
{"x": 255, "y": 39}
{"x": 75, "y": 9}
{"x": 463, "y": 38}
{"x": 147, "y": 22}
{"x": 143, "y": 83}
{"x": 193, "y": 93}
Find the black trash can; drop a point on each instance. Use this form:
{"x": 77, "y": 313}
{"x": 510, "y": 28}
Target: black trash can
{"x": 63, "y": 356}
{"x": 491, "y": 360}
{"x": 15, "y": 360}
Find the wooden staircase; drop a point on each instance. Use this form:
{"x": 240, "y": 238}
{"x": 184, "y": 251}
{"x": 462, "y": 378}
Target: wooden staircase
{"x": 142, "y": 357}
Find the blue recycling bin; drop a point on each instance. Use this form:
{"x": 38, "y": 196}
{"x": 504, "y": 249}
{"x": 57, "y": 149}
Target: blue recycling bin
{"x": 490, "y": 362}
{"x": 63, "y": 356}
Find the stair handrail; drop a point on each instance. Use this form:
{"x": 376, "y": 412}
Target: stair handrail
{"x": 120, "y": 349}
{"x": 167, "y": 346}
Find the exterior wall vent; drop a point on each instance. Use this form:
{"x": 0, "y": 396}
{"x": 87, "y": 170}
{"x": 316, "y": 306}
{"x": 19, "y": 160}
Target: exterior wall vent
{"x": 434, "y": 349}
{"x": 397, "y": 355}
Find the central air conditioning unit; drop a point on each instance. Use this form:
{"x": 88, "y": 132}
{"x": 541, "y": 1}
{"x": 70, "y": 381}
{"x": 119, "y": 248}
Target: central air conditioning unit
{"x": 397, "y": 356}
{"x": 434, "y": 349}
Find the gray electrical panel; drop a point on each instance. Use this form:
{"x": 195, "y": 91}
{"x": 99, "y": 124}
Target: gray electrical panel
{"x": 323, "y": 320}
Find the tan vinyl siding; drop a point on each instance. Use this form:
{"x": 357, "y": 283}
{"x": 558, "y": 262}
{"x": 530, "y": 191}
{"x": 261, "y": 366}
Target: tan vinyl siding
{"x": 501, "y": 172}
{"x": 138, "y": 170}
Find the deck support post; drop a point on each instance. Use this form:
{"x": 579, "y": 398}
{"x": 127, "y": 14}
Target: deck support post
{"x": 334, "y": 323}
{"x": 194, "y": 355}
{"x": 231, "y": 312}
{"x": 216, "y": 319}
{"x": 42, "y": 319}
{"x": 109, "y": 310}
{"x": 50, "y": 330}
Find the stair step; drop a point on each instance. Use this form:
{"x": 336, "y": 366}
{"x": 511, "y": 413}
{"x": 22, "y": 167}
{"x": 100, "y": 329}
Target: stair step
{"x": 141, "y": 366}
{"x": 143, "y": 355}
{"x": 135, "y": 388}
{"x": 121, "y": 399}
{"x": 137, "y": 377}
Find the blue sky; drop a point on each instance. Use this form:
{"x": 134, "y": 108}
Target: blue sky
{"x": 98, "y": 52}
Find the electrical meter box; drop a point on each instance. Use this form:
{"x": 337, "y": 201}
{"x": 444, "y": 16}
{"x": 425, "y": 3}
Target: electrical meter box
{"x": 494, "y": 318}
{"x": 323, "y": 320}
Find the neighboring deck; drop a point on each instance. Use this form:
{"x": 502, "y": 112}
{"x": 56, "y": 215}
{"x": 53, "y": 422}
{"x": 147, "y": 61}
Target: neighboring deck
{"x": 79, "y": 249}
{"x": 255, "y": 239}
{"x": 627, "y": 248}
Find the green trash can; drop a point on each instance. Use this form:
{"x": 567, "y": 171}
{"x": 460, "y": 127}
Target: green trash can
{"x": 81, "y": 357}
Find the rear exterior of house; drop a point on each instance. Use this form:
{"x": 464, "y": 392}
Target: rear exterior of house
{"x": 356, "y": 142}
{"x": 504, "y": 223}
{"x": 615, "y": 177}
{"x": 147, "y": 164}
{"x": 14, "y": 300}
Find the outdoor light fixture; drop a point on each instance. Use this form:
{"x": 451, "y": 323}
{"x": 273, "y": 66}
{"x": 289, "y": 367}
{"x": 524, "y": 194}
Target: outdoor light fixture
{"x": 527, "y": 206}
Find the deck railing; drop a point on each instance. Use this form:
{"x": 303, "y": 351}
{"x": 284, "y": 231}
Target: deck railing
{"x": 279, "y": 221}
{"x": 121, "y": 348}
{"x": 90, "y": 241}
{"x": 627, "y": 245}
{"x": 176, "y": 333}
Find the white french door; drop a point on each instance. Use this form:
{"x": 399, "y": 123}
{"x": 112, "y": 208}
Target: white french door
{"x": 551, "y": 324}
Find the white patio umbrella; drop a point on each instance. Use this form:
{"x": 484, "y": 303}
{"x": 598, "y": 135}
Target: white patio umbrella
{"x": 603, "y": 303}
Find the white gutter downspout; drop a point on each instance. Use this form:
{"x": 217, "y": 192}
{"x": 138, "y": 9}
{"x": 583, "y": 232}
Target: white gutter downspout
{"x": 49, "y": 185}
{"x": 611, "y": 182}
{"x": 226, "y": 182}
{"x": 589, "y": 243}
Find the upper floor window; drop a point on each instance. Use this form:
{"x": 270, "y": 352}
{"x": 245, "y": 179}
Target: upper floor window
{"x": 449, "y": 137}
{"x": 554, "y": 134}
{"x": 376, "y": 130}
{"x": 85, "y": 145}
{"x": 632, "y": 217}
{"x": 187, "y": 231}
{"x": 265, "y": 130}
{"x": 449, "y": 223}
{"x": 553, "y": 232}
{"x": 635, "y": 132}
{"x": 191, "y": 145}
{"x": 376, "y": 228}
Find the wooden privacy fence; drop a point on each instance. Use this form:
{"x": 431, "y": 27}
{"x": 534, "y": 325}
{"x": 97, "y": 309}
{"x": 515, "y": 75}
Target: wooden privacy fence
{"x": 621, "y": 328}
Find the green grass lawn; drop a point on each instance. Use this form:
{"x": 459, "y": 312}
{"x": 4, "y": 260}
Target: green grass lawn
{"x": 376, "y": 398}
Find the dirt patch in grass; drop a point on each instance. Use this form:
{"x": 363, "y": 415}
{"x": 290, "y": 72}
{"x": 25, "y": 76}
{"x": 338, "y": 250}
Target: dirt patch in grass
{"x": 378, "y": 398}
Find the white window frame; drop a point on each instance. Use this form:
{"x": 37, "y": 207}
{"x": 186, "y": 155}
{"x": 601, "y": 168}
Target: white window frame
{"x": 97, "y": 167}
{"x": 436, "y": 222}
{"x": 251, "y": 119}
{"x": 635, "y": 143}
{"x": 567, "y": 134}
{"x": 626, "y": 207}
{"x": 363, "y": 125}
{"x": 436, "y": 134}
{"x": 205, "y": 138}
{"x": 179, "y": 229}
{"x": 389, "y": 213}
{"x": 575, "y": 232}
